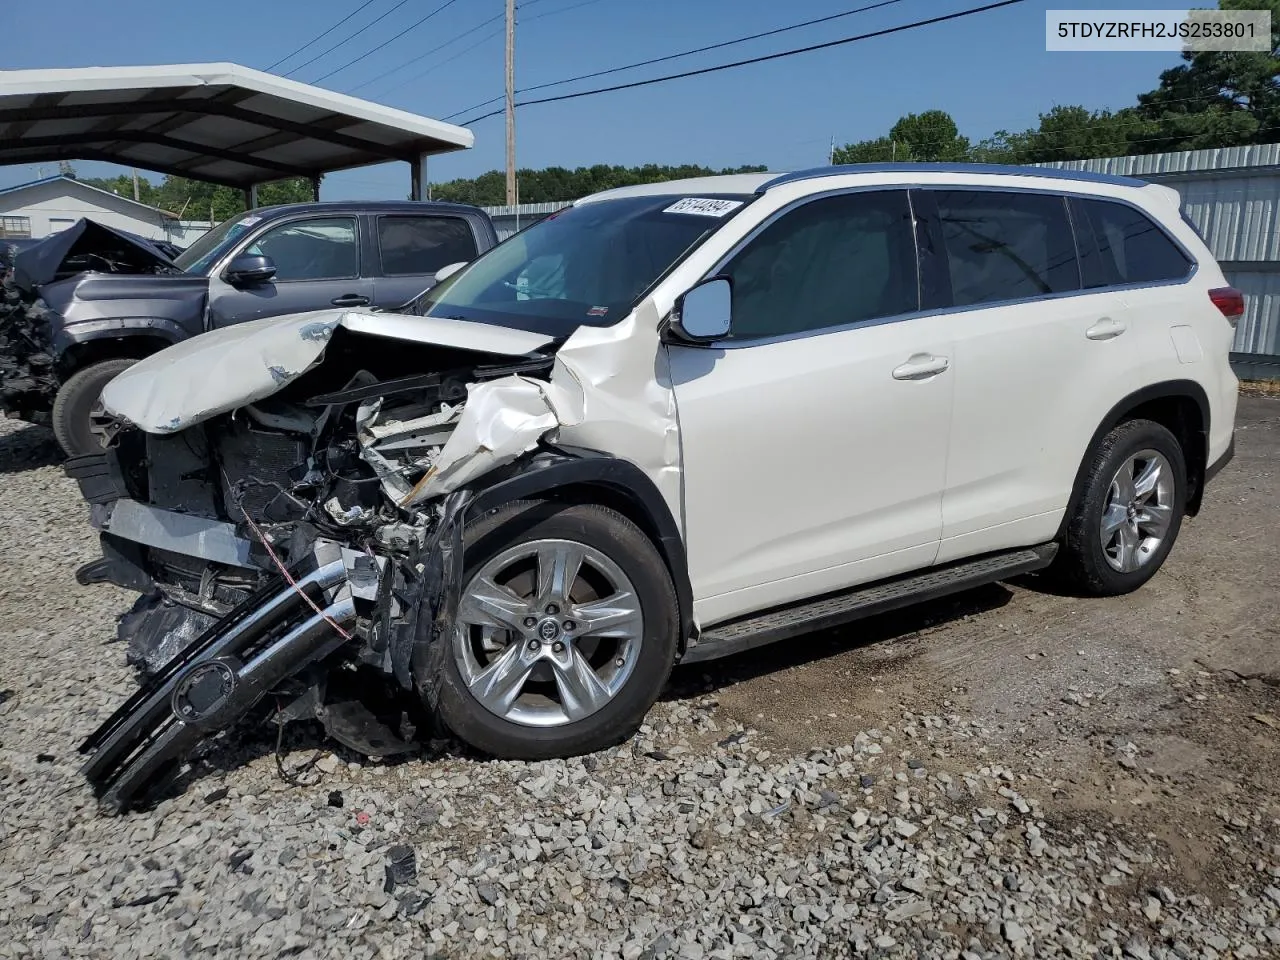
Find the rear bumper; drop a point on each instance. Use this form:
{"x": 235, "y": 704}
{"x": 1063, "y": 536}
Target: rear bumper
{"x": 1216, "y": 467}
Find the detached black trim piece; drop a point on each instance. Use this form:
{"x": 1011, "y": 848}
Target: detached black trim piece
{"x": 99, "y": 479}
{"x": 1215, "y": 468}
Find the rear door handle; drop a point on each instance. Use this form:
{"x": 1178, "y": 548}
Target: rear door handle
{"x": 350, "y": 300}
{"x": 921, "y": 366}
{"x": 1106, "y": 329}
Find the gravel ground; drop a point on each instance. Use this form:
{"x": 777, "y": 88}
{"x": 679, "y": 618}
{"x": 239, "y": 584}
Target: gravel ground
{"x": 1010, "y": 773}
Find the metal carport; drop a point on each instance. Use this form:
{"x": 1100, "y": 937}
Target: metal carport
{"x": 218, "y": 122}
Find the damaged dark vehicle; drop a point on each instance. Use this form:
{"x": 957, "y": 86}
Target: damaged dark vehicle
{"x": 85, "y": 304}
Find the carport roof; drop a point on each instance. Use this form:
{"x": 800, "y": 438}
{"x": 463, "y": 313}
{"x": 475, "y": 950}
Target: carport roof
{"x": 211, "y": 121}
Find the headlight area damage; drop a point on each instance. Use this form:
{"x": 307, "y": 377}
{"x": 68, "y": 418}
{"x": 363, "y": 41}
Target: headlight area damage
{"x": 288, "y": 496}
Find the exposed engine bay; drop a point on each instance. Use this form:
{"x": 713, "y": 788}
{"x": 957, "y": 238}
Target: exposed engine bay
{"x": 298, "y": 544}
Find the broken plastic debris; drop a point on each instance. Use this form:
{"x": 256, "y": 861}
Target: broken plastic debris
{"x": 344, "y": 516}
{"x": 501, "y": 420}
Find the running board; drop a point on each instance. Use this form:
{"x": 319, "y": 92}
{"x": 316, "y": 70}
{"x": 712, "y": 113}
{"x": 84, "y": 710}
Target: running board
{"x": 833, "y": 610}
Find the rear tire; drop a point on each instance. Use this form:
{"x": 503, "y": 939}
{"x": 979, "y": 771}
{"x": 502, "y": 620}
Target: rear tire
{"x": 1129, "y": 511}
{"x": 544, "y": 719}
{"x": 74, "y": 403}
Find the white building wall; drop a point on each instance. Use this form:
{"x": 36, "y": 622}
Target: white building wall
{"x": 54, "y": 206}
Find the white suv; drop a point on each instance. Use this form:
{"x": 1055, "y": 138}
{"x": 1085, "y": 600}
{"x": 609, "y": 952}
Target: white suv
{"x": 669, "y": 423}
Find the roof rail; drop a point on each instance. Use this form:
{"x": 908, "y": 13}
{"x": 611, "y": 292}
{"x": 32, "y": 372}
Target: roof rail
{"x": 1043, "y": 173}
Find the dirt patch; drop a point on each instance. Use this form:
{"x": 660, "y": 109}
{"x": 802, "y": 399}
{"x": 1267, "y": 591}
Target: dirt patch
{"x": 1137, "y": 710}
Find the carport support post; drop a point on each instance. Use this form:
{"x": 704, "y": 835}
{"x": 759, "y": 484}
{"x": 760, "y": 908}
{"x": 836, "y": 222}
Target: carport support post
{"x": 420, "y": 189}
{"x": 251, "y": 196}
{"x": 315, "y": 189}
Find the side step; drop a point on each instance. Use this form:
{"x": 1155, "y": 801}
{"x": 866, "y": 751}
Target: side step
{"x": 832, "y": 610}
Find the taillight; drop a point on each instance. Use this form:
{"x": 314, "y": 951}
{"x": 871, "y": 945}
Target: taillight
{"x": 1230, "y": 301}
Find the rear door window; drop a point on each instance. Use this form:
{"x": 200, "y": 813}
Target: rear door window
{"x": 1006, "y": 245}
{"x": 1120, "y": 244}
{"x": 422, "y": 245}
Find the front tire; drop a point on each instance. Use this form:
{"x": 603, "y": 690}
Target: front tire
{"x": 73, "y": 406}
{"x": 1129, "y": 511}
{"x": 565, "y": 634}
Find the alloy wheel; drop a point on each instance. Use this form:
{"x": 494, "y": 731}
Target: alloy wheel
{"x": 547, "y": 633}
{"x": 1138, "y": 511}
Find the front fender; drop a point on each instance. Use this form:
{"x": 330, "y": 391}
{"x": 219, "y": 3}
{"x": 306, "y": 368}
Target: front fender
{"x": 555, "y": 468}
{"x": 64, "y": 335}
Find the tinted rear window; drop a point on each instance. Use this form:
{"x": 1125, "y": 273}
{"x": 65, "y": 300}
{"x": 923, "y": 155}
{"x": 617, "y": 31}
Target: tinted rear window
{"x": 1006, "y": 246}
{"x": 1120, "y": 244}
{"x": 422, "y": 245}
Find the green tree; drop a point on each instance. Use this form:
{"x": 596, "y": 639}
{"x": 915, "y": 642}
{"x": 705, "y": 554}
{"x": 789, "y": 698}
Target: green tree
{"x": 931, "y": 136}
{"x": 1075, "y": 133}
{"x": 1215, "y": 99}
{"x": 198, "y": 199}
{"x": 559, "y": 184}
{"x": 879, "y": 150}
{"x": 1002, "y": 147}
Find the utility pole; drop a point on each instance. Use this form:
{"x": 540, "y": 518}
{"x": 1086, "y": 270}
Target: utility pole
{"x": 135, "y": 183}
{"x": 831, "y": 155}
{"x": 511, "y": 103}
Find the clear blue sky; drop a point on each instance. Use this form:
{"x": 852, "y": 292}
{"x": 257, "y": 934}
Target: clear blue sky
{"x": 990, "y": 71}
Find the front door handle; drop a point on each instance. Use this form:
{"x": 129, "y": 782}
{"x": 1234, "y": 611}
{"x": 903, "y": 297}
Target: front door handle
{"x": 350, "y": 300}
{"x": 1106, "y": 329}
{"x": 921, "y": 366}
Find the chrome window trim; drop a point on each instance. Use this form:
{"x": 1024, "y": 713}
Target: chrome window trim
{"x": 731, "y": 344}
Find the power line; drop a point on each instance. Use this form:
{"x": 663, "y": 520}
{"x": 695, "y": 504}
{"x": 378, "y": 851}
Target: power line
{"x": 761, "y": 59}
{"x": 368, "y": 53}
{"x": 436, "y": 66}
{"x": 423, "y": 56}
{"x": 330, "y": 50}
{"x": 558, "y": 10}
{"x": 322, "y": 35}
{"x": 684, "y": 53}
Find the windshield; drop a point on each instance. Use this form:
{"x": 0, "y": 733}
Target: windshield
{"x": 208, "y": 250}
{"x": 587, "y": 265}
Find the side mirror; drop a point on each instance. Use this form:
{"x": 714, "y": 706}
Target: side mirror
{"x": 249, "y": 269}
{"x": 444, "y": 273}
{"x": 703, "y": 314}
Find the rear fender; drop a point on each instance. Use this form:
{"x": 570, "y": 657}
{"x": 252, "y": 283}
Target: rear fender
{"x": 1196, "y": 454}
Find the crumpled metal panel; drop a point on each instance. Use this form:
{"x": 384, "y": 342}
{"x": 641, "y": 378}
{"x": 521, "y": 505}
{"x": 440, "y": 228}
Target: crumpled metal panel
{"x": 222, "y": 370}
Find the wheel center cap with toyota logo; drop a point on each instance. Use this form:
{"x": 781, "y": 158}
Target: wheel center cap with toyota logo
{"x": 549, "y": 630}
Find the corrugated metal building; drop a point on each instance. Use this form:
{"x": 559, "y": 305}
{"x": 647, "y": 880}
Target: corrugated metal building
{"x": 1232, "y": 195}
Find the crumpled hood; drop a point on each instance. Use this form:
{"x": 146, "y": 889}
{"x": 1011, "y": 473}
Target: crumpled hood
{"x": 40, "y": 263}
{"x": 224, "y": 369}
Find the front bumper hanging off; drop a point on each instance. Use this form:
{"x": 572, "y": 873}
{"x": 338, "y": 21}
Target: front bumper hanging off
{"x": 223, "y": 674}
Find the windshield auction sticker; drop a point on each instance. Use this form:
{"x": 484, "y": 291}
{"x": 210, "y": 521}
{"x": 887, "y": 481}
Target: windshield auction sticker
{"x": 1238, "y": 31}
{"x": 703, "y": 207}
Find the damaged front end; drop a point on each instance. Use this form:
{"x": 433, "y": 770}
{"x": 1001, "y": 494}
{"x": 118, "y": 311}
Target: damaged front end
{"x": 34, "y": 321}
{"x": 288, "y": 497}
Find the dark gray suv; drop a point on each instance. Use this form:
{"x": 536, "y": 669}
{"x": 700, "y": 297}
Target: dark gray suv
{"x": 266, "y": 262}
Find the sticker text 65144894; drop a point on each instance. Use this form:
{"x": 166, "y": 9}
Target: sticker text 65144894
{"x": 703, "y": 206}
